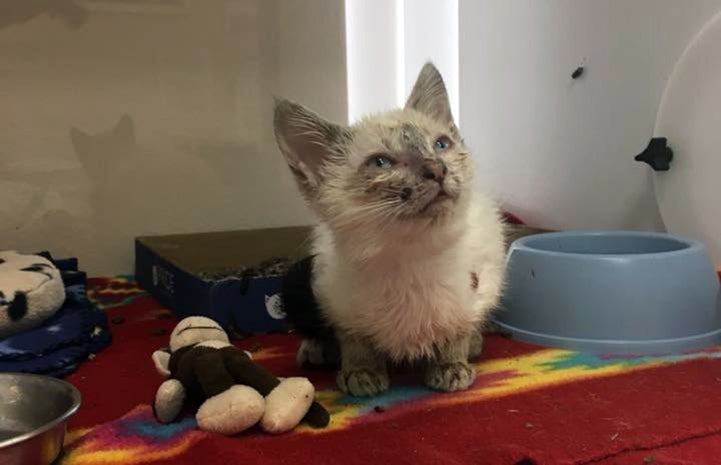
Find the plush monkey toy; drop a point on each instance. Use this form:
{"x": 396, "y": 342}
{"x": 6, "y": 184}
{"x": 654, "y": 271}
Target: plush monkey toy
{"x": 236, "y": 393}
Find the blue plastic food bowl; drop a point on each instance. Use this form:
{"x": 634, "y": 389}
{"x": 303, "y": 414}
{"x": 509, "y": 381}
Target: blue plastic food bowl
{"x": 616, "y": 292}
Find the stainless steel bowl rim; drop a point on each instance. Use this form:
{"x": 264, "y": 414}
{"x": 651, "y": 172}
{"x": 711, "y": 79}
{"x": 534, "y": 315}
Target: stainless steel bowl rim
{"x": 74, "y": 393}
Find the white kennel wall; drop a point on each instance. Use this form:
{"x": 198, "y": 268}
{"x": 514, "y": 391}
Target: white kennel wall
{"x": 388, "y": 41}
{"x": 196, "y": 79}
{"x": 556, "y": 150}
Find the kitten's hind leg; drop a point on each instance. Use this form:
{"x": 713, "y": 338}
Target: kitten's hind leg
{"x": 363, "y": 370}
{"x": 475, "y": 345}
{"x": 450, "y": 370}
{"x": 318, "y": 353}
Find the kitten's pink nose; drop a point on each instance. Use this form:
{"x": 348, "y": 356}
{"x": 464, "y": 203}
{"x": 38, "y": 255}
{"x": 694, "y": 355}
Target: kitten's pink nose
{"x": 435, "y": 169}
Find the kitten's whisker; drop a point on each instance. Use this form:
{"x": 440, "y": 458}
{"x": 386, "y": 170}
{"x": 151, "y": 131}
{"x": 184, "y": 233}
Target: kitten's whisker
{"x": 395, "y": 192}
{"x": 370, "y": 212}
{"x": 402, "y": 193}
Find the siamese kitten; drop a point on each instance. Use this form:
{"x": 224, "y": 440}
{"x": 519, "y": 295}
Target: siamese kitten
{"x": 408, "y": 260}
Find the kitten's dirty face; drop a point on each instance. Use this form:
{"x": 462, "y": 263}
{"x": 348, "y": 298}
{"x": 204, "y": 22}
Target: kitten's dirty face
{"x": 407, "y": 164}
{"x": 400, "y": 165}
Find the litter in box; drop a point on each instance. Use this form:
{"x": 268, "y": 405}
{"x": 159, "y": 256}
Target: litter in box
{"x": 277, "y": 266}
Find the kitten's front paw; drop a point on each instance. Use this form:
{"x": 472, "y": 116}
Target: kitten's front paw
{"x": 450, "y": 377}
{"x": 362, "y": 382}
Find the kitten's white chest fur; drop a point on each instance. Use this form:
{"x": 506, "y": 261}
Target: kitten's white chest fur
{"x": 417, "y": 288}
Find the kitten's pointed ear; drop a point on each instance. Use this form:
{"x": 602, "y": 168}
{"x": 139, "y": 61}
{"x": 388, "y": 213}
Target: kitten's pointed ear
{"x": 429, "y": 95}
{"x": 308, "y": 142}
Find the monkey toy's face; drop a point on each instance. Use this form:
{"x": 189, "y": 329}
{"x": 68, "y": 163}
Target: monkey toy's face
{"x": 194, "y": 330}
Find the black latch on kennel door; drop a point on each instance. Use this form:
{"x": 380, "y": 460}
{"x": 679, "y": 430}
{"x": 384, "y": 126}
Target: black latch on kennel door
{"x": 657, "y": 155}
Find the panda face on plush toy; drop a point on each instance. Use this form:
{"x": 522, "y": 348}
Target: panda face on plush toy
{"x": 31, "y": 291}
{"x": 235, "y": 393}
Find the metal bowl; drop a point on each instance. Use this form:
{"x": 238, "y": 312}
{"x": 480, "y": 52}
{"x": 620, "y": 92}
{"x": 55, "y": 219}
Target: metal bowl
{"x": 34, "y": 411}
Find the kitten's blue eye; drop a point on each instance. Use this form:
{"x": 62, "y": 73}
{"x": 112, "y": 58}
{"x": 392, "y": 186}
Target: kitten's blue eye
{"x": 381, "y": 161}
{"x": 442, "y": 143}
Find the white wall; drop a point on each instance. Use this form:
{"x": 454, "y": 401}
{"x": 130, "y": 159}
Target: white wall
{"x": 388, "y": 41}
{"x": 197, "y": 80}
{"x": 558, "y": 151}
{"x": 431, "y": 33}
{"x": 373, "y": 52}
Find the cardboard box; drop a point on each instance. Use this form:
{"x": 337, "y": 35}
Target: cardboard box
{"x": 175, "y": 269}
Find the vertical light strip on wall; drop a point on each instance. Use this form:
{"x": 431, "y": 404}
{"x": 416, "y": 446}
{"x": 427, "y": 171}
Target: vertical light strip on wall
{"x": 431, "y": 33}
{"x": 373, "y": 56}
{"x": 351, "y": 58}
{"x": 454, "y": 71}
{"x": 387, "y": 42}
{"x": 400, "y": 30}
